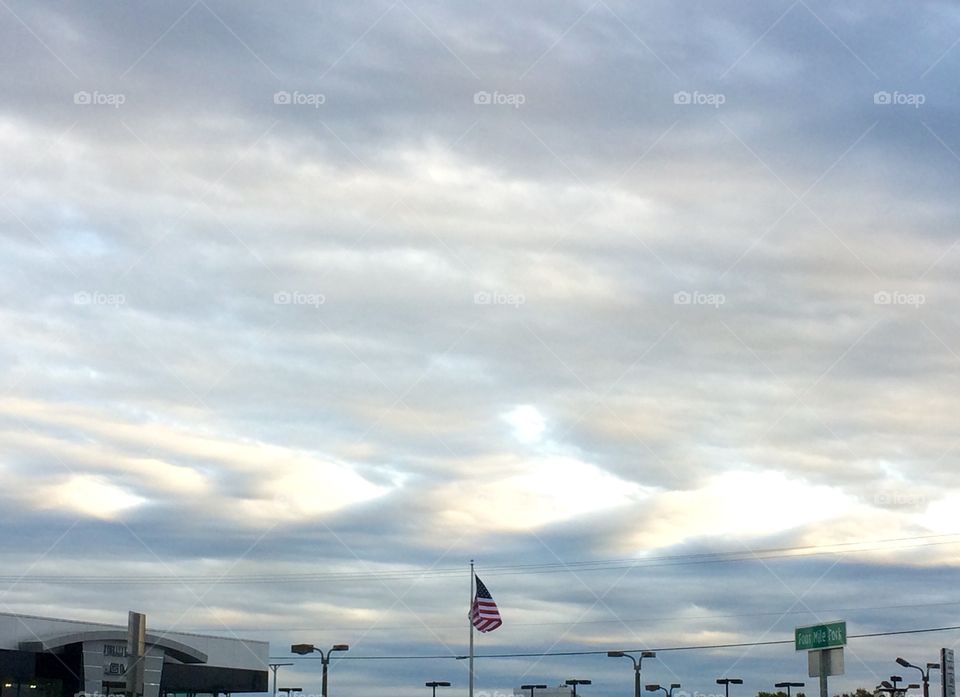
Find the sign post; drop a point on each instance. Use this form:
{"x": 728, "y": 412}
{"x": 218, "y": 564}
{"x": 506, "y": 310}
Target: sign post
{"x": 136, "y": 650}
{"x": 824, "y": 646}
{"x": 948, "y": 676}
{"x": 824, "y": 670}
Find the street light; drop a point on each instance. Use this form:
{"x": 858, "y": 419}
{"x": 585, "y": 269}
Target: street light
{"x": 924, "y": 674}
{"x": 532, "y": 688}
{"x": 653, "y": 687}
{"x": 435, "y": 684}
{"x": 893, "y": 688}
{"x": 275, "y": 667}
{"x": 637, "y": 663}
{"x": 885, "y": 686}
{"x": 574, "y": 683}
{"x": 304, "y": 649}
{"x": 788, "y": 685}
{"x": 727, "y": 682}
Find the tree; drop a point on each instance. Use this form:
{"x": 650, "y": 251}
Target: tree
{"x": 860, "y": 692}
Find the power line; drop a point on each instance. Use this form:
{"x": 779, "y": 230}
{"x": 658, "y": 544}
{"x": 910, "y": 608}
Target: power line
{"x": 698, "y": 647}
{"x": 672, "y": 618}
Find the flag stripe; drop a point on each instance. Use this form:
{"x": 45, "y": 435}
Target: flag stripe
{"x": 484, "y": 614}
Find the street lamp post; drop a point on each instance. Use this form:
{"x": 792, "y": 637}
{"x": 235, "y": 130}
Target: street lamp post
{"x": 574, "y": 683}
{"x": 435, "y": 684}
{"x": 788, "y": 685}
{"x": 275, "y": 667}
{"x": 653, "y": 687}
{"x": 924, "y": 674}
{"x": 896, "y": 691}
{"x": 727, "y": 682}
{"x": 637, "y": 664}
{"x": 890, "y": 689}
{"x": 893, "y": 689}
{"x": 304, "y": 649}
{"x": 532, "y": 688}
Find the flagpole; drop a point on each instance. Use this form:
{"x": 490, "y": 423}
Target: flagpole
{"x": 470, "y": 622}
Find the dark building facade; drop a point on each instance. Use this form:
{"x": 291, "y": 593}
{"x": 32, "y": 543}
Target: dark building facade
{"x": 47, "y": 657}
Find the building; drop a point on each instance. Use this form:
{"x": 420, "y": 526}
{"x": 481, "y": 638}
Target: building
{"x": 46, "y": 657}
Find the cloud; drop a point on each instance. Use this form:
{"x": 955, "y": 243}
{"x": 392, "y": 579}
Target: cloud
{"x": 268, "y": 483}
{"x": 87, "y": 495}
{"x": 736, "y": 504}
{"x": 527, "y": 422}
{"x": 533, "y": 492}
{"x": 382, "y": 288}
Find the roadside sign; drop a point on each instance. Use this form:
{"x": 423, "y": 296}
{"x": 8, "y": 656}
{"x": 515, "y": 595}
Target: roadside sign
{"x": 832, "y": 661}
{"x": 820, "y": 636}
{"x": 948, "y": 678}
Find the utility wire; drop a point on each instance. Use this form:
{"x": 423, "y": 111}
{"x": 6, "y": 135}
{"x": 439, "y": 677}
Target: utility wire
{"x": 545, "y": 654}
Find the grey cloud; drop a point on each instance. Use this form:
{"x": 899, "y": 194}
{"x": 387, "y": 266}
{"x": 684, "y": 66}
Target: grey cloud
{"x": 407, "y": 216}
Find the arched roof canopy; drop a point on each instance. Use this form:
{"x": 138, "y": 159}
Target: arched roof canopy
{"x": 175, "y": 649}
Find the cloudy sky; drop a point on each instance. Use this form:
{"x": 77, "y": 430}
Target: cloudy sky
{"x": 305, "y": 305}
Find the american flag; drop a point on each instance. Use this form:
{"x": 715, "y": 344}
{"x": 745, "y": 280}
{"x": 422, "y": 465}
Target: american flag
{"x": 484, "y": 614}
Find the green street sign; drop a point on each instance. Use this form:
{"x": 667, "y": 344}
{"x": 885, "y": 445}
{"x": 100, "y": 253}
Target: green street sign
{"x": 820, "y": 636}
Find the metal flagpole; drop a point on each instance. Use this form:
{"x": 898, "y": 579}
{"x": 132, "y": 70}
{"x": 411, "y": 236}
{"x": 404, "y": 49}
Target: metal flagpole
{"x": 470, "y": 621}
